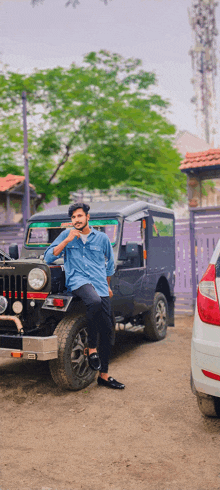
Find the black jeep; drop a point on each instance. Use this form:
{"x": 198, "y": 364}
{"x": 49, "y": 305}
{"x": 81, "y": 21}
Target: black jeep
{"x": 39, "y": 318}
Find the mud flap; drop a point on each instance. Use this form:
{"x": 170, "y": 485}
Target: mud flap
{"x": 171, "y": 312}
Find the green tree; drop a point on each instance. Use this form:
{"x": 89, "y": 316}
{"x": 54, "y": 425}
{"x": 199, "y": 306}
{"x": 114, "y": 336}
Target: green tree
{"x": 92, "y": 126}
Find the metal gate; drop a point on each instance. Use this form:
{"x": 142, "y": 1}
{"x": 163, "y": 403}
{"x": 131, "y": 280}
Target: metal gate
{"x": 204, "y": 235}
{"x": 196, "y": 239}
{"x": 183, "y": 274}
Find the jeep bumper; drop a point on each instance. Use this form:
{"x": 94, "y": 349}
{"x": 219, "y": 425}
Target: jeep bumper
{"x": 18, "y": 346}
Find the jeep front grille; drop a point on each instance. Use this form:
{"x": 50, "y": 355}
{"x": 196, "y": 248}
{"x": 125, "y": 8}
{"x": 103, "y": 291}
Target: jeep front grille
{"x": 14, "y": 288}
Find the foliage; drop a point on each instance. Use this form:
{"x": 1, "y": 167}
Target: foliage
{"x": 92, "y": 126}
{"x": 207, "y": 186}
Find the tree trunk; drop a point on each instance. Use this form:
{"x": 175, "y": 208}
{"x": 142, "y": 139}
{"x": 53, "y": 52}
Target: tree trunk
{"x": 60, "y": 164}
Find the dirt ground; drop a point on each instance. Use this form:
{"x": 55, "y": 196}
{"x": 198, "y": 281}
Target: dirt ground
{"x": 149, "y": 436}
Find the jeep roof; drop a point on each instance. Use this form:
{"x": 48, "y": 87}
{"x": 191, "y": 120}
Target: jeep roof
{"x": 103, "y": 209}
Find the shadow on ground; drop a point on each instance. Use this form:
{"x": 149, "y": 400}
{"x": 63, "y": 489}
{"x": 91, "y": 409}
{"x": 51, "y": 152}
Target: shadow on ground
{"x": 22, "y": 379}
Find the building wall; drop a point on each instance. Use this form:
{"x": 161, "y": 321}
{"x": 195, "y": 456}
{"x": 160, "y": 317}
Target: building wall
{"x": 187, "y": 142}
{"x": 15, "y": 211}
{"x": 212, "y": 197}
{"x": 2, "y": 209}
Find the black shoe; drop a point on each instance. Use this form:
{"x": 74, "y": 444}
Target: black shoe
{"x": 111, "y": 383}
{"x": 94, "y": 361}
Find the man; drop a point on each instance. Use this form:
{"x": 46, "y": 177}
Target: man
{"x": 89, "y": 265}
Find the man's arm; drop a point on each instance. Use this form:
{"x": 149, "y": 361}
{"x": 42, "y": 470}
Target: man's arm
{"x": 58, "y": 245}
{"x": 59, "y": 248}
{"x": 108, "y": 251}
{"x": 109, "y": 289}
{"x": 110, "y": 269}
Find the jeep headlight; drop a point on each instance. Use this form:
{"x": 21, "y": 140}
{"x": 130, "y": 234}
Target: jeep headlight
{"x": 37, "y": 279}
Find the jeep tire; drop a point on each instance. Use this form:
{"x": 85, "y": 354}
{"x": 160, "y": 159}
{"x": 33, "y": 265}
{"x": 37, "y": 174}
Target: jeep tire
{"x": 155, "y": 320}
{"x": 71, "y": 369}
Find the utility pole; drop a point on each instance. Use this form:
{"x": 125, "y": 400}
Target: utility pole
{"x": 26, "y": 201}
{"x": 204, "y": 65}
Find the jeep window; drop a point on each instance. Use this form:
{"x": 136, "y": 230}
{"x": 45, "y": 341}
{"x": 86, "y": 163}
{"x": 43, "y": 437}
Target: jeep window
{"x": 132, "y": 232}
{"x": 162, "y": 226}
{"x": 43, "y": 234}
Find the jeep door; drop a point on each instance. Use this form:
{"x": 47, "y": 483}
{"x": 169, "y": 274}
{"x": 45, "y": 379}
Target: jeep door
{"x": 161, "y": 254}
{"x": 128, "y": 278}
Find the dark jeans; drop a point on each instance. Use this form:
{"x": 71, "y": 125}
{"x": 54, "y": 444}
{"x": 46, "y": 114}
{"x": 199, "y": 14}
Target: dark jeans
{"x": 99, "y": 321}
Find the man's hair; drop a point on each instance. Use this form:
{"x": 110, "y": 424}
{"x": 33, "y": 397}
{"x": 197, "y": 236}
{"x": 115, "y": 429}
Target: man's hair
{"x": 78, "y": 205}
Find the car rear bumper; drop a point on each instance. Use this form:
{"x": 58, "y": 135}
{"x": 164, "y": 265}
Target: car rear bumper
{"x": 205, "y": 355}
{"x": 40, "y": 348}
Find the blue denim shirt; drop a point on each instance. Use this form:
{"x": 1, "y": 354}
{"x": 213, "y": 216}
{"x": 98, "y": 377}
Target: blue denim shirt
{"x": 85, "y": 263}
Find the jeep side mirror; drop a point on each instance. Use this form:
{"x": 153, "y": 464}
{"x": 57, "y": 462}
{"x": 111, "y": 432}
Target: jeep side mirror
{"x": 131, "y": 250}
{"x": 13, "y": 251}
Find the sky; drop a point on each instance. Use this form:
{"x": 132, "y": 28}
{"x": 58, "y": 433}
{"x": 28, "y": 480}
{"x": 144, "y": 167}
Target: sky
{"x": 156, "y": 31}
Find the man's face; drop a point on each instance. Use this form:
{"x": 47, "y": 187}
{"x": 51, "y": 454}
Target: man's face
{"x": 79, "y": 219}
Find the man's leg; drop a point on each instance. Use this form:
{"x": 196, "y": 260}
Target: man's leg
{"x": 93, "y": 303}
{"x": 99, "y": 320}
{"x": 105, "y": 331}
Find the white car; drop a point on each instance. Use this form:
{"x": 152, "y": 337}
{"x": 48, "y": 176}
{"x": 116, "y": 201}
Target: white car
{"x": 205, "y": 346}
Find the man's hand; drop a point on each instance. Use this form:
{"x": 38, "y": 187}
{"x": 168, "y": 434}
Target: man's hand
{"x": 109, "y": 289}
{"x": 72, "y": 234}
{"x": 59, "y": 248}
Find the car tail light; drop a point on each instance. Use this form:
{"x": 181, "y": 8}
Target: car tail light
{"x": 207, "y": 300}
{"x": 211, "y": 375}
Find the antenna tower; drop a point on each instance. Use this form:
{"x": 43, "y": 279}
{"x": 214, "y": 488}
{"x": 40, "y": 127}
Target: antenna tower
{"x": 204, "y": 65}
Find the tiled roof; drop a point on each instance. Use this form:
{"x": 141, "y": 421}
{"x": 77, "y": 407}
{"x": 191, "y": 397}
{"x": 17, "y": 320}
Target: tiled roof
{"x": 11, "y": 181}
{"x": 207, "y": 158}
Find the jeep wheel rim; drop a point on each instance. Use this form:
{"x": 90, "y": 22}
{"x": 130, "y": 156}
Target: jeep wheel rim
{"x": 80, "y": 364}
{"x": 160, "y": 316}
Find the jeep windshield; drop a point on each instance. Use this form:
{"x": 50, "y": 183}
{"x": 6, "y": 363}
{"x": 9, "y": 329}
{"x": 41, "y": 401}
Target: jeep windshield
{"x": 41, "y": 235}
